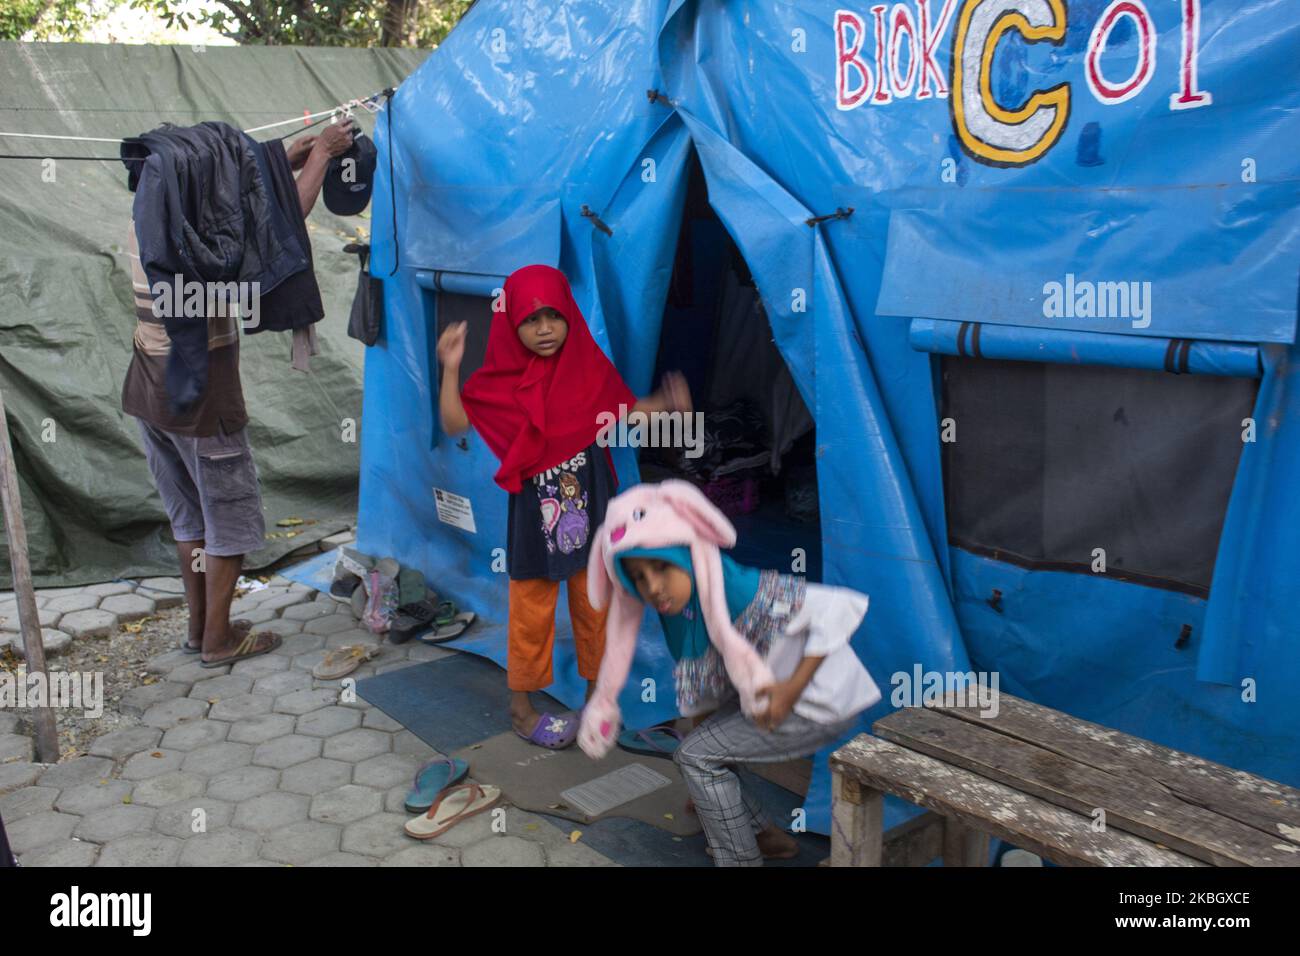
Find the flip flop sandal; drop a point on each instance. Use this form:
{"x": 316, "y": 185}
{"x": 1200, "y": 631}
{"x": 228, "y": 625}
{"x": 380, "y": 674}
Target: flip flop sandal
{"x": 413, "y": 617}
{"x": 342, "y": 661}
{"x": 246, "y": 649}
{"x": 358, "y": 600}
{"x": 553, "y": 733}
{"x": 343, "y": 585}
{"x": 239, "y": 625}
{"x": 452, "y": 806}
{"x": 658, "y": 741}
{"x": 450, "y": 629}
{"x": 410, "y": 586}
{"x": 433, "y": 778}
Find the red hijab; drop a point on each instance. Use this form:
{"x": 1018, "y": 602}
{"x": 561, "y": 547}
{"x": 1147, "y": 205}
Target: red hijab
{"x": 534, "y": 411}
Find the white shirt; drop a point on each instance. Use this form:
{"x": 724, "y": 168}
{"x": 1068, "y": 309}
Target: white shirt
{"x": 841, "y": 686}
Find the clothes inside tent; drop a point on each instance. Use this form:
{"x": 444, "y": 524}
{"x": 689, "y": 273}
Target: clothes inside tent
{"x": 868, "y": 192}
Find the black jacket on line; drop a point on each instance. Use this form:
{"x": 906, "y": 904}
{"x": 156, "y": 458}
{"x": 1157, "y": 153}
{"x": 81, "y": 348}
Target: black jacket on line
{"x": 207, "y": 209}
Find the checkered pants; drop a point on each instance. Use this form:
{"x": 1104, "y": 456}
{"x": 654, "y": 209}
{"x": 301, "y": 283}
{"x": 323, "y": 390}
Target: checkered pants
{"x": 710, "y": 759}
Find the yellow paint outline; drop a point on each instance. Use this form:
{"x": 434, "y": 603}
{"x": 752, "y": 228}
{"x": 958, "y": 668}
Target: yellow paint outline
{"x": 1057, "y": 96}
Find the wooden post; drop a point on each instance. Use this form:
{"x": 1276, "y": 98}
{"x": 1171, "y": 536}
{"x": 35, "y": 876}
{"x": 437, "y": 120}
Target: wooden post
{"x": 857, "y": 823}
{"x": 47, "y": 736}
{"x": 963, "y": 845}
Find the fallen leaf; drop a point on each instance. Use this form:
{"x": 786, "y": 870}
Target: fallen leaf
{"x": 289, "y": 522}
{"x": 530, "y": 826}
{"x": 668, "y": 816}
{"x": 156, "y": 753}
{"x": 575, "y": 836}
{"x": 127, "y": 798}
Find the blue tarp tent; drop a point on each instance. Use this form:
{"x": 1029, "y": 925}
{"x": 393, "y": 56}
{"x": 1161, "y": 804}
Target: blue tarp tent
{"x": 1014, "y": 170}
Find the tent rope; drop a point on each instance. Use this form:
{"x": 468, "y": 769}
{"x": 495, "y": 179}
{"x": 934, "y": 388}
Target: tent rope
{"x": 309, "y": 120}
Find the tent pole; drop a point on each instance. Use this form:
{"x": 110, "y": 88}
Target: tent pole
{"x": 47, "y": 738}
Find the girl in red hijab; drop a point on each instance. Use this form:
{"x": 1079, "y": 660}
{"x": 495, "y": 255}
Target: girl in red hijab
{"x": 537, "y": 401}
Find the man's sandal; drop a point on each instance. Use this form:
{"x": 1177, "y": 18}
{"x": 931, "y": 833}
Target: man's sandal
{"x": 248, "y": 647}
{"x": 241, "y": 626}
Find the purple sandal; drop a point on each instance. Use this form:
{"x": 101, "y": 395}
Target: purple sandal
{"x": 553, "y": 733}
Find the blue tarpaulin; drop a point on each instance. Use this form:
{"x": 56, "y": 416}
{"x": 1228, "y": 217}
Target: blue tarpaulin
{"x": 1086, "y": 169}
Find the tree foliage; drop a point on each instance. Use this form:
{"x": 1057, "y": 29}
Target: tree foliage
{"x": 331, "y": 23}
{"x": 50, "y": 19}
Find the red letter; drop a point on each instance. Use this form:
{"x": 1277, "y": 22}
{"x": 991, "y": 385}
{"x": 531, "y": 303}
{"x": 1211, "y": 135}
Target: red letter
{"x": 882, "y": 88}
{"x": 1112, "y": 93}
{"x": 847, "y": 57}
{"x": 902, "y": 21}
{"x": 1189, "y": 97}
{"x": 929, "y": 41}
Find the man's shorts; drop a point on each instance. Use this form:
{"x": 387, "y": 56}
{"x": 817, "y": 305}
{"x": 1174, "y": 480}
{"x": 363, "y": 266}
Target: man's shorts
{"x": 209, "y": 489}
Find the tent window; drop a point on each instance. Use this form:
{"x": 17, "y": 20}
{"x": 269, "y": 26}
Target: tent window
{"x": 477, "y": 311}
{"x": 1051, "y": 462}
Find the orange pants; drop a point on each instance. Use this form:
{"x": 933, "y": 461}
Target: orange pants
{"x": 531, "y": 631}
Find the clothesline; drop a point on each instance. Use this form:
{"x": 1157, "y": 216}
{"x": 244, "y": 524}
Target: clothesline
{"x": 309, "y": 119}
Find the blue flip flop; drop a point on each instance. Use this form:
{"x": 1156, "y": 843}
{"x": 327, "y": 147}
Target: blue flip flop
{"x": 658, "y": 741}
{"x": 433, "y": 778}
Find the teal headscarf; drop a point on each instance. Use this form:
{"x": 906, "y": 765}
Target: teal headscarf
{"x": 686, "y": 633}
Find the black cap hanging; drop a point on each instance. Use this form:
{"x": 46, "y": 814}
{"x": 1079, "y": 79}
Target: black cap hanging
{"x": 350, "y": 177}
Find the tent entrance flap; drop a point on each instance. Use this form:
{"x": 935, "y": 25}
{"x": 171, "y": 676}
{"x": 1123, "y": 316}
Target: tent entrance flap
{"x": 750, "y": 444}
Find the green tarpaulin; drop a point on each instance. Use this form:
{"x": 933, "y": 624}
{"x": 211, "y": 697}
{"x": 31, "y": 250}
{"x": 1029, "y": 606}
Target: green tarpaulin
{"x": 66, "y": 314}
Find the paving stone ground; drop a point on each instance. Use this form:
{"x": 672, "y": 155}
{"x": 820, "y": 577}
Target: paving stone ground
{"x": 251, "y": 765}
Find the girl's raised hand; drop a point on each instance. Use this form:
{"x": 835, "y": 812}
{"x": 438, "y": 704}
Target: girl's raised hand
{"x": 677, "y": 392}
{"x": 451, "y": 345}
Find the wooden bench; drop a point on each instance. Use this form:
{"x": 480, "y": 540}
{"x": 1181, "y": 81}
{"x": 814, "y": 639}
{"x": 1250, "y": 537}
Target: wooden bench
{"x": 1075, "y": 793}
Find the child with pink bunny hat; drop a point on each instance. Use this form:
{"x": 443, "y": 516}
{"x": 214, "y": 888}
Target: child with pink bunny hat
{"x": 764, "y": 654}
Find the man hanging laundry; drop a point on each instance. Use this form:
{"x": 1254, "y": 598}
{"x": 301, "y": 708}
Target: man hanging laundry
{"x": 214, "y": 207}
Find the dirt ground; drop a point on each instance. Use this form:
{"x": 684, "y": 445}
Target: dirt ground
{"x": 121, "y": 658}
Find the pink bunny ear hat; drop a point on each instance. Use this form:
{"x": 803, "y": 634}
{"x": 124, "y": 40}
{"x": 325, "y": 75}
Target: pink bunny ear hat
{"x": 656, "y": 516}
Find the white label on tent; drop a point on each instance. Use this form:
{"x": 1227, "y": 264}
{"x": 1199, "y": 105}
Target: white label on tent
{"x": 455, "y": 510}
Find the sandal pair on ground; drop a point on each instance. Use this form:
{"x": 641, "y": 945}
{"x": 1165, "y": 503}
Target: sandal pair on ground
{"x": 441, "y": 803}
